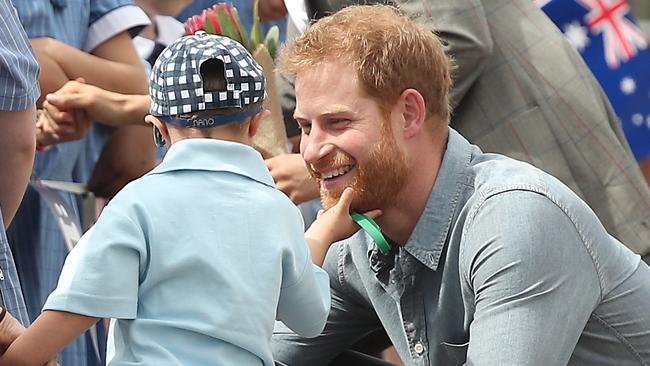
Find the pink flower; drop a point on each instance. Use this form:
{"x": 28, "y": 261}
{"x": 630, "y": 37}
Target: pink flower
{"x": 194, "y": 24}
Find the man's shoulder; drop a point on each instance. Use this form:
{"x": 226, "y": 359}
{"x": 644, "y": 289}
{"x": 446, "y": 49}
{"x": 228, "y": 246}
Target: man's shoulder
{"x": 493, "y": 174}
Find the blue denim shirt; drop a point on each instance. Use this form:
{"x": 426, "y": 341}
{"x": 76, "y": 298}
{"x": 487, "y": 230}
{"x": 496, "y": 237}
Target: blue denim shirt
{"x": 506, "y": 266}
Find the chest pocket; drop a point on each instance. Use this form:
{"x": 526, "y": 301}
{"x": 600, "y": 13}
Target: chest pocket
{"x": 456, "y": 353}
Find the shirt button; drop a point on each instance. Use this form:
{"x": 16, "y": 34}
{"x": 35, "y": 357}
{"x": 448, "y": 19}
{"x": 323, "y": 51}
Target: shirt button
{"x": 418, "y": 348}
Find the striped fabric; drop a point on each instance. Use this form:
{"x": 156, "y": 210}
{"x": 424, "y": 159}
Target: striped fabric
{"x": 18, "y": 67}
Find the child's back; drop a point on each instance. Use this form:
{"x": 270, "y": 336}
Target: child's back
{"x": 197, "y": 258}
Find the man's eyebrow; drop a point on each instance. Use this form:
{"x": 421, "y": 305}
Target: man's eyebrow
{"x": 327, "y": 113}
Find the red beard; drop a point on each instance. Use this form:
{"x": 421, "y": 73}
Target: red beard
{"x": 377, "y": 181}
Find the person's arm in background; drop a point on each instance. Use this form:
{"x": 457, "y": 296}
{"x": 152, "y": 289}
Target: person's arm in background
{"x": 113, "y": 65}
{"x": 17, "y": 148}
{"x": 113, "y": 109}
{"x": 462, "y": 26}
{"x": 19, "y": 86}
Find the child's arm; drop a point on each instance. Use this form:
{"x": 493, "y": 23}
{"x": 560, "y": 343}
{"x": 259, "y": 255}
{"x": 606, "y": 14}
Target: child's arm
{"x": 333, "y": 225}
{"x": 41, "y": 342}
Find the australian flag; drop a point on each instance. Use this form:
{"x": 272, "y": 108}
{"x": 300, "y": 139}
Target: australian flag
{"x": 614, "y": 47}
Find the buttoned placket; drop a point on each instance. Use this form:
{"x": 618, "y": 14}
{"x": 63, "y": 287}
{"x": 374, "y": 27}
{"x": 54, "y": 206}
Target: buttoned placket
{"x": 411, "y": 306}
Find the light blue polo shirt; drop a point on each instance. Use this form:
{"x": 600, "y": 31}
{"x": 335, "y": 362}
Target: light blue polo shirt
{"x": 194, "y": 261}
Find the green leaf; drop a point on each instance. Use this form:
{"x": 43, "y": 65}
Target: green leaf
{"x": 256, "y": 30}
{"x": 208, "y": 27}
{"x": 272, "y": 39}
{"x": 240, "y": 29}
{"x": 226, "y": 25}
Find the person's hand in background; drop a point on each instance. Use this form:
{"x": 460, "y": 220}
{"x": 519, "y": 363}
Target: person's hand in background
{"x": 292, "y": 177}
{"x": 110, "y": 108}
{"x": 271, "y": 9}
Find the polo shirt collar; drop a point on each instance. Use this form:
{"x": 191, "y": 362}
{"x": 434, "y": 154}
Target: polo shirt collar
{"x": 215, "y": 155}
{"x": 428, "y": 238}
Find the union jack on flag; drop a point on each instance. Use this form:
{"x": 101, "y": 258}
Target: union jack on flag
{"x": 616, "y": 51}
{"x": 621, "y": 37}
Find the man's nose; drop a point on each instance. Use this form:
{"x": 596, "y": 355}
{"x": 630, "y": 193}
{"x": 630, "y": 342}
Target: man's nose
{"x": 315, "y": 146}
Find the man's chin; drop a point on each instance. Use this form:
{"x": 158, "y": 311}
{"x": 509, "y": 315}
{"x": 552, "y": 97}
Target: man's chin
{"x": 329, "y": 199}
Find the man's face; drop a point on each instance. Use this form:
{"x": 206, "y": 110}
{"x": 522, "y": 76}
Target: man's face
{"x": 347, "y": 141}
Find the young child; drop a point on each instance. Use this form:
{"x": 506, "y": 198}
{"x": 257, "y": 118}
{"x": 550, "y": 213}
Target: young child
{"x": 194, "y": 261}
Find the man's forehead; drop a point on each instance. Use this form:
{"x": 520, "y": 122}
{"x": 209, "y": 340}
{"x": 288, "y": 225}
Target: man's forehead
{"x": 326, "y": 88}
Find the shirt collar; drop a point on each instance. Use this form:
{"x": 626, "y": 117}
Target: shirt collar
{"x": 431, "y": 231}
{"x": 215, "y": 155}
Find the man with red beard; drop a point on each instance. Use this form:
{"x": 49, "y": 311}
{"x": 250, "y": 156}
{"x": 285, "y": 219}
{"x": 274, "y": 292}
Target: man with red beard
{"x": 492, "y": 261}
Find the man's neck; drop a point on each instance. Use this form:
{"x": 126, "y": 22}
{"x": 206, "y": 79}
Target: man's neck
{"x": 399, "y": 219}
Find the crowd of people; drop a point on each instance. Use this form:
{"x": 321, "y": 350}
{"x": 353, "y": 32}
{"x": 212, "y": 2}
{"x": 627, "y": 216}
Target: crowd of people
{"x": 479, "y": 203}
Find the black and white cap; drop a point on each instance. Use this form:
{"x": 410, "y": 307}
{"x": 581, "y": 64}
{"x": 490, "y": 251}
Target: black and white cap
{"x": 176, "y": 87}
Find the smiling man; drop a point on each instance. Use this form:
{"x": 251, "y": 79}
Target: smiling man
{"x": 493, "y": 262}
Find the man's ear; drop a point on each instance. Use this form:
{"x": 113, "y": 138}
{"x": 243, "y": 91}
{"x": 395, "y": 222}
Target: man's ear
{"x": 256, "y": 119}
{"x": 412, "y": 112}
{"x": 160, "y": 125}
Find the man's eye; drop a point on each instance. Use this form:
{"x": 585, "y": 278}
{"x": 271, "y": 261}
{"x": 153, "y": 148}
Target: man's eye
{"x": 339, "y": 122}
{"x": 305, "y": 128}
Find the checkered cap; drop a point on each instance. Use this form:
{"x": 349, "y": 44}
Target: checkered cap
{"x": 176, "y": 87}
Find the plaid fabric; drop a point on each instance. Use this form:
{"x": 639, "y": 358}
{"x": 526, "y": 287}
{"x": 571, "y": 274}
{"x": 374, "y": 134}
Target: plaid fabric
{"x": 176, "y": 86}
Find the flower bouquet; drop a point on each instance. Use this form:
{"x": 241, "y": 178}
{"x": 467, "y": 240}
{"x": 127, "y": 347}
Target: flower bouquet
{"x": 223, "y": 19}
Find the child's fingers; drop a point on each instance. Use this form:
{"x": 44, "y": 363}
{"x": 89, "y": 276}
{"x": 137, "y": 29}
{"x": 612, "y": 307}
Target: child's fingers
{"x": 346, "y": 200}
{"x": 373, "y": 214}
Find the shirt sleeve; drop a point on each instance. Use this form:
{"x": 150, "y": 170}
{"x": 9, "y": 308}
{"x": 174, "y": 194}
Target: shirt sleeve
{"x": 19, "y": 69}
{"x": 304, "y": 296}
{"x": 533, "y": 282}
{"x": 101, "y": 275}
{"x": 110, "y": 17}
{"x": 350, "y": 318}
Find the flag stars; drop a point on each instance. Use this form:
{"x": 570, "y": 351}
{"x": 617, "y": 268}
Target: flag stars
{"x": 628, "y": 85}
{"x": 576, "y": 35}
{"x": 637, "y": 119}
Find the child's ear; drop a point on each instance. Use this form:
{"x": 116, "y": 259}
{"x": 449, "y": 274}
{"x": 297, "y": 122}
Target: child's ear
{"x": 255, "y": 122}
{"x": 160, "y": 125}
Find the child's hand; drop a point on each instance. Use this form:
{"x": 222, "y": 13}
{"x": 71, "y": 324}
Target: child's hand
{"x": 333, "y": 225}
{"x": 337, "y": 220}
{"x": 10, "y": 329}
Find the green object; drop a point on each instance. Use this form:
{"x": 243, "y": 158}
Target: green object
{"x": 240, "y": 29}
{"x": 272, "y": 39}
{"x": 227, "y": 28}
{"x": 370, "y": 226}
{"x": 256, "y": 30}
